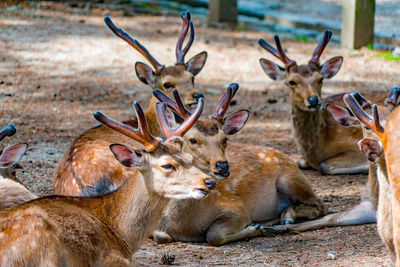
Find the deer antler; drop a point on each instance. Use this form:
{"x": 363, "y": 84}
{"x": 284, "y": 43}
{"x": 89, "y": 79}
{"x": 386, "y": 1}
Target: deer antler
{"x": 187, "y": 23}
{"x": 280, "y": 53}
{"x": 134, "y": 43}
{"x": 363, "y": 102}
{"x": 374, "y": 123}
{"x": 141, "y": 134}
{"x": 391, "y": 101}
{"x": 223, "y": 104}
{"x": 320, "y": 48}
{"x": 176, "y": 106}
{"x": 168, "y": 132}
{"x": 9, "y": 130}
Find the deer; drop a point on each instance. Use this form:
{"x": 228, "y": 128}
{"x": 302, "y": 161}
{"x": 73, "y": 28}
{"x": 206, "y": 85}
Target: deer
{"x": 389, "y": 138}
{"x": 11, "y": 191}
{"x": 181, "y": 75}
{"x": 78, "y": 172}
{"x": 265, "y": 185}
{"x": 106, "y": 230}
{"x": 324, "y": 145}
{"x": 375, "y": 204}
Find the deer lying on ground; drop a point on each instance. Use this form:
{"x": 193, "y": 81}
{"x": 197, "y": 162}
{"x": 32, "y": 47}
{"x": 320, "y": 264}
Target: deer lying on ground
{"x": 324, "y": 145}
{"x": 375, "y": 204}
{"x": 79, "y": 173}
{"x": 12, "y": 192}
{"x": 180, "y": 75}
{"x": 106, "y": 230}
{"x": 265, "y": 184}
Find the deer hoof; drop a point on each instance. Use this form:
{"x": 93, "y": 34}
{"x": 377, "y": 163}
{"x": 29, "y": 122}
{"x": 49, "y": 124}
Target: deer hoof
{"x": 285, "y": 222}
{"x": 271, "y": 231}
{"x": 302, "y": 163}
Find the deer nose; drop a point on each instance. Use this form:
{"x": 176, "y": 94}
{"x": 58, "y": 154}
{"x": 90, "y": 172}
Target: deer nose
{"x": 222, "y": 168}
{"x": 313, "y": 101}
{"x": 210, "y": 183}
{"x": 198, "y": 95}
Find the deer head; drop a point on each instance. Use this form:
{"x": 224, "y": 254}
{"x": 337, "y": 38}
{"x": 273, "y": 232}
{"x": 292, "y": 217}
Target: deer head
{"x": 166, "y": 169}
{"x": 11, "y": 154}
{"x": 180, "y": 75}
{"x": 207, "y": 140}
{"x": 304, "y": 81}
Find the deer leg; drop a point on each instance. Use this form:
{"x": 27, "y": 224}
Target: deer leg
{"x": 350, "y": 162}
{"x": 363, "y": 213}
{"x": 295, "y": 189}
{"x": 231, "y": 226}
{"x": 162, "y": 237}
{"x": 302, "y": 163}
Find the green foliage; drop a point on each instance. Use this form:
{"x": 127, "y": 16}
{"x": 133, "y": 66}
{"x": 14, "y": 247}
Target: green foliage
{"x": 387, "y": 56}
{"x": 242, "y": 27}
{"x": 304, "y": 39}
{"x": 370, "y": 46}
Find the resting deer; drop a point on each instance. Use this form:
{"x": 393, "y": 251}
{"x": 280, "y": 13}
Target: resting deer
{"x": 11, "y": 192}
{"x": 324, "y": 145}
{"x": 180, "y": 75}
{"x": 78, "y": 172}
{"x": 375, "y": 205}
{"x": 106, "y": 230}
{"x": 265, "y": 184}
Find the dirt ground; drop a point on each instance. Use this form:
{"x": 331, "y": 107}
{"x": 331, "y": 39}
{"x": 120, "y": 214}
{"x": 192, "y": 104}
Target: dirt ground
{"x": 58, "y": 64}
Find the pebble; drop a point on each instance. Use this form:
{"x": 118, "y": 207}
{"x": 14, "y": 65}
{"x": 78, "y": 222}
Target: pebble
{"x": 331, "y": 256}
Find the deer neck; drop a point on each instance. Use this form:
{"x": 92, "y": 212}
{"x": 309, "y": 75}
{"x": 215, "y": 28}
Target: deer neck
{"x": 151, "y": 117}
{"x": 308, "y": 130}
{"x": 133, "y": 210}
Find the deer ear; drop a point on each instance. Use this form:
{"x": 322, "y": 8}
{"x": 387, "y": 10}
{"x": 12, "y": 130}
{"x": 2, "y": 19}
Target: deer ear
{"x": 145, "y": 73}
{"x": 370, "y": 148}
{"x": 274, "y": 71}
{"x": 342, "y": 115}
{"x": 196, "y": 63}
{"x": 235, "y": 121}
{"x": 331, "y": 67}
{"x": 12, "y": 154}
{"x": 128, "y": 157}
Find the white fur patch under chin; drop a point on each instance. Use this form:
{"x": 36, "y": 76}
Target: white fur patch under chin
{"x": 196, "y": 194}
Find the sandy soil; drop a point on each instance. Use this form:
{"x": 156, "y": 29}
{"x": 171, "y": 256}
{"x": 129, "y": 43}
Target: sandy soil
{"x": 59, "y": 64}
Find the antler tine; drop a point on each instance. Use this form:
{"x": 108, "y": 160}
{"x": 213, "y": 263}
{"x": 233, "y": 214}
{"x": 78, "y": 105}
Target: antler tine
{"x": 288, "y": 62}
{"x": 9, "y": 130}
{"x": 391, "y": 101}
{"x": 264, "y": 44}
{"x": 374, "y": 124}
{"x": 184, "y": 127}
{"x": 187, "y": 23}
{"x": 141, "y": 134}
{"x": 364, "y": 103}
{"x": 223, "y": 104}
{"x": 320, "y": 47}
{"x": 177, "y": 106}
{"x": 134, "y": 43}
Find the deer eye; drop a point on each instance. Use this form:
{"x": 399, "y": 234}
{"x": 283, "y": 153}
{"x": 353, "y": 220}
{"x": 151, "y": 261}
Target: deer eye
{"x": 193, "y": 141}
{"x": 292, "y": 83}
{"x": 193, "y": 79}
{"x": 168, "y": 85}
{"x": 225, "y": 141}
{"x": 168, "y": 167}
{"x": 320, "y": 80}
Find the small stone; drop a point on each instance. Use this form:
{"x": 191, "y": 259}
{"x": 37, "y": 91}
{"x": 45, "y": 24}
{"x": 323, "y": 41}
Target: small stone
{"x": 331, "y": 256}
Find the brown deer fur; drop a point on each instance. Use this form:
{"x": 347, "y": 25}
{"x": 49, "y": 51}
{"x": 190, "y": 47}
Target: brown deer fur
{"x": 324, "y": 145}
{"x": 106, "y": 230}
{"x": 266, "y": 185}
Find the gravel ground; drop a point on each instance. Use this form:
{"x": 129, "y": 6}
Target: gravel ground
{"x": 59, "y": 64}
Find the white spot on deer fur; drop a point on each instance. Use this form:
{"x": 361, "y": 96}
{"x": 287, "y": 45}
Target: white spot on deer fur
{"x": 268, "y": 159}
{"x": 276, "y": 160}
{"x": 1, "y": 235}
{"x": 33, "y": 244}
{"x": 73, "y": 182}
{"x": 261, "y": 155}
{"x": 14, "y": 248}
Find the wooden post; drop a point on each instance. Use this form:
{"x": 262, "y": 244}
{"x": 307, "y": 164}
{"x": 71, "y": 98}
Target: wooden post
{"x": 357, "y": 23}
{"x": 223, "y": 11}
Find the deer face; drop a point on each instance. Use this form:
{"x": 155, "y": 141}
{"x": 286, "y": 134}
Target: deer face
{"x": 179, "y": 76}
{"x": 304, "y": 81}
{"x": 9, "y": 156}
{"x": 168, "y": 171}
